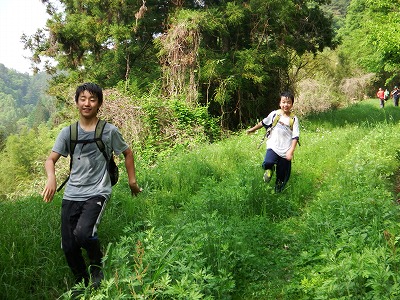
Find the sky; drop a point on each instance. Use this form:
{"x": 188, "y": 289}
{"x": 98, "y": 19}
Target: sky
{"x": 16, "y": 18}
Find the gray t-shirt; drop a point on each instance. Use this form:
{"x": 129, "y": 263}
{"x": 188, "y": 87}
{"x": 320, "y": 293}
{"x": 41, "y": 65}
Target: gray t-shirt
{"x": 89, "y": 176}
{"x": 282, "y": 135}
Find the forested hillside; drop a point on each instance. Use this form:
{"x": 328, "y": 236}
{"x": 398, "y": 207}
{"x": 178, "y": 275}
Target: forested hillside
{"x": 24, "y": 102}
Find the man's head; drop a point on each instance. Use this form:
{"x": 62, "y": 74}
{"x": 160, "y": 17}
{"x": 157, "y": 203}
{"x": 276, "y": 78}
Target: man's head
{"x": 286, "y": 103}
{"x": 88, "y": 99}
{"x": 92, "y": 88}
{"x": 288, "y": 95}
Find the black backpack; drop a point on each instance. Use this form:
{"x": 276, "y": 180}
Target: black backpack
{"x": 111, "y": 165}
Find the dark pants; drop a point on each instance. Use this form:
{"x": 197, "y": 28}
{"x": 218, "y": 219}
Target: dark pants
{"x": 396, "y": 101}
{"x": 283, "y": 168}
{"x": 79, "y": 220}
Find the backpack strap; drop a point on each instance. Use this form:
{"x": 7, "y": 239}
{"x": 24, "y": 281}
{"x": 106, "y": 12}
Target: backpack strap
{"x": 97, "y": 137}
{"x": 292, "y": 117}
{"x": 73, "y": 140}
{"x": 276, "y": 117}
{"x": 279, "y": 113}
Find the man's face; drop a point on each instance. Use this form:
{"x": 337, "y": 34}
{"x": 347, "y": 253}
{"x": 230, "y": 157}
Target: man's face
{"x": 286, "y": 104}
{"x": 88, "y": 105}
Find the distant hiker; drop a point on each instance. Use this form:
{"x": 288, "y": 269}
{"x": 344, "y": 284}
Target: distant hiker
{"x": 89, "y": 184}
{"x": 281, "y": 142}
{"x": 396, "y": 95}
{"x": 381, "y": 96}
{"x": 387, "y": 94}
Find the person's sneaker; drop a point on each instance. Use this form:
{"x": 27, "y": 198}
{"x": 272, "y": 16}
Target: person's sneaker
{"x": 96, "y": 277}
{"x": 279, "y": 186}
{"x": 267, "y": 175}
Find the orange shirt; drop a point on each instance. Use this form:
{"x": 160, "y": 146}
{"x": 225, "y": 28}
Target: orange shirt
{"x": 381, "y": 94}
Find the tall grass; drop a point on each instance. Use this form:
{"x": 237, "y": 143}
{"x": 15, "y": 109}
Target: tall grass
{"x": 207, "y": 227}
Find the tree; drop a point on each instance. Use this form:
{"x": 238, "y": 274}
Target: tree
{"x": 20, "y": 94}
{"x": 247, "y": 52}
{"x": 8, "y": 117}
{"x": 236, "y": 52}
{"x": 370, "y": 37}
{"x": 105, "y": 41}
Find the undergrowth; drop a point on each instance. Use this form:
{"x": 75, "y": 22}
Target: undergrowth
{"x": 207, "y": 227}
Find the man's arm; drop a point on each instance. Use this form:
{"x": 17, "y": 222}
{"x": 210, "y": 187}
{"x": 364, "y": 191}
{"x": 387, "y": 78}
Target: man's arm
{"x": 130, "y": 169}
{"x": 51, "y": 185}
{"x": 255, "y": 128}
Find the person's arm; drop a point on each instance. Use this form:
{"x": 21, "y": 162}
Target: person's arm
{"x": 51, "y": 185}
{"x": 290, "y": 152}
{"x": 255, "y": 128}
{"x": 130, "y": 169}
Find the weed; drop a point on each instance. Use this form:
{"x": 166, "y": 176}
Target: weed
{"x": 207, "y": 227}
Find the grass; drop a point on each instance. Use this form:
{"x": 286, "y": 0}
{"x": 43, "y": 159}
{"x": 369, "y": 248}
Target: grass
{"x": 207, "y": 227}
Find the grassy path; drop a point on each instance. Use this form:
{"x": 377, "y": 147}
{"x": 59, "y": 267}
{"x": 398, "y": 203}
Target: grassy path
{"x": 207, "y": 227}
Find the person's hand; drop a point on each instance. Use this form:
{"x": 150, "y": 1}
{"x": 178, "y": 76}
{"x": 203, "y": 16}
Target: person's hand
{"x": 135, "y": 189}
{"x": 289, "y": 155}
{"x": 49, "y": 190}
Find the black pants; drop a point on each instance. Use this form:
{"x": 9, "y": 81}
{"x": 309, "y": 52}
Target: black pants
{"x": 79, "y": 220}
{"x": 283, "y": 168}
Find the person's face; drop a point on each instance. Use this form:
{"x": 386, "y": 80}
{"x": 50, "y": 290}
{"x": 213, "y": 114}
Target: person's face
{"x": 286, "y": 104}
{"x": 88, "y": 105}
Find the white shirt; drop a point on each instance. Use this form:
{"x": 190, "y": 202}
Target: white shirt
{"x": 280, "y": 139}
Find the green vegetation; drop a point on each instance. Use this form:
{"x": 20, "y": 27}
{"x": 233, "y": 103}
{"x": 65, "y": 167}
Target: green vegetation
{"x": 178, "y": 76}
{"x": 226, "y": 55}
{"x": 219, "y": 65}
{"x": 207, "y": 227}
{"x": 152, "y": 127}
{"x": 370, "y": 40}
{"x": 23, "y": 102}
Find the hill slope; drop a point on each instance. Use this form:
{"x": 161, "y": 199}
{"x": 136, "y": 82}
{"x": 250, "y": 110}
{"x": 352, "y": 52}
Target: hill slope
{"x": 207, "y": 227}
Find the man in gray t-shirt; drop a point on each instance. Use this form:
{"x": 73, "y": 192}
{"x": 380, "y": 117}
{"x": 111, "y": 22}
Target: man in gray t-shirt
{"x": 89, "y": 184}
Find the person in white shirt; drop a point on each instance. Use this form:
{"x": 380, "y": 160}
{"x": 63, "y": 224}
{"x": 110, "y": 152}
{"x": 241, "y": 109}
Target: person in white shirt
{"x": 281, "y": 142}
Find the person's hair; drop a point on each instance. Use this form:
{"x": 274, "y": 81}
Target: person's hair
{"x": 92, "y": 88}
{"x": 288, "y": 95}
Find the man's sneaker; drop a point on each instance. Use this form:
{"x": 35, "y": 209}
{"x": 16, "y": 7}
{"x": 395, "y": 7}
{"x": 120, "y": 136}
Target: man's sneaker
{"x": 267, "y": 175}
{"x": 279, "y": 186}
{"x": 96, "y": 277}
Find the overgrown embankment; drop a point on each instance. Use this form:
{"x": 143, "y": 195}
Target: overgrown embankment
{"x": 207, "y": 227}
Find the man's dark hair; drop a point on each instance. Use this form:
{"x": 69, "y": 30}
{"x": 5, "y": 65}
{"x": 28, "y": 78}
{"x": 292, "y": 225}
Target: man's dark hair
{"x": 288, "y": 95}
{"x": 92, "y": 88}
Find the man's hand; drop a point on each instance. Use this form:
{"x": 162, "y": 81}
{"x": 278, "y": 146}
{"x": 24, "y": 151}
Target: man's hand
{"x": 51, "y": 185}
{"x": 49, "y": 190}
{"x": 289, "y": 155}
{"x": 135, "y": 189}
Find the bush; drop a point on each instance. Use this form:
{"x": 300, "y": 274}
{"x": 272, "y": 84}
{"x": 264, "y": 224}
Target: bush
{"x": 22, "y": 161}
